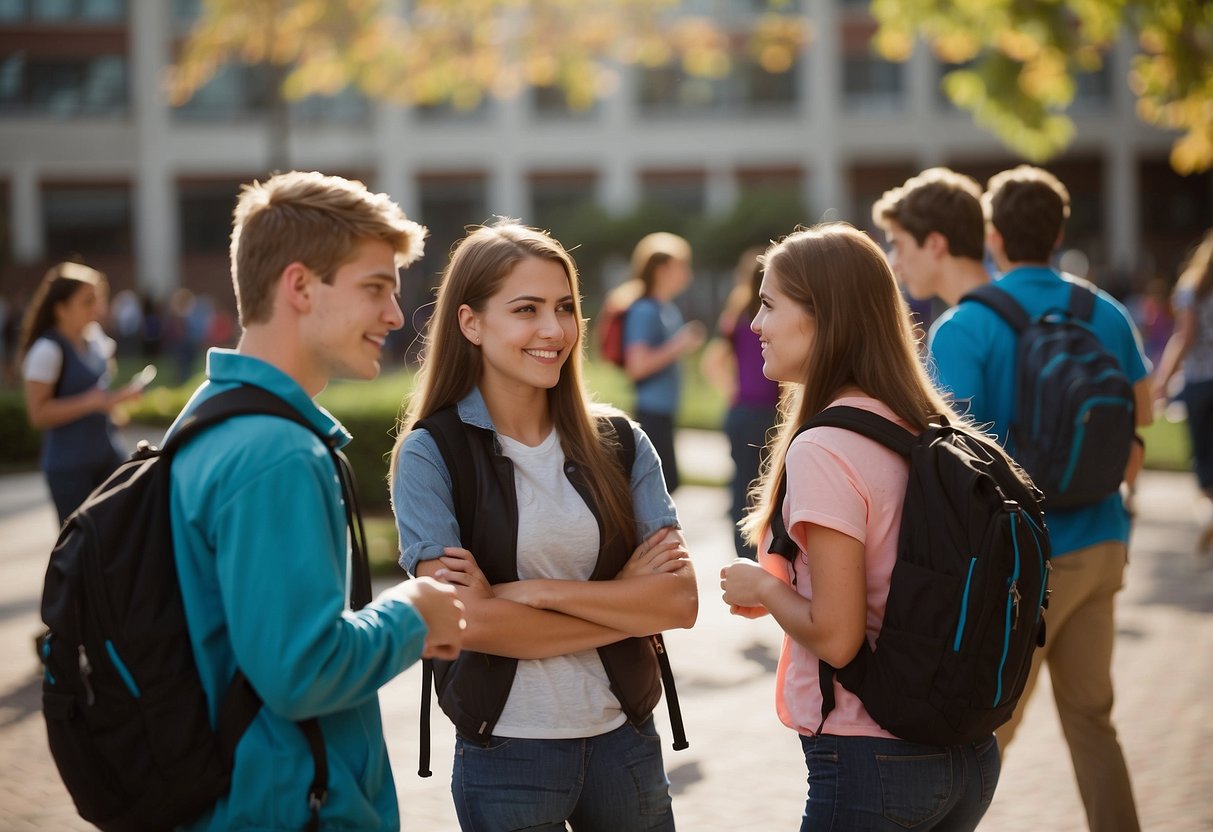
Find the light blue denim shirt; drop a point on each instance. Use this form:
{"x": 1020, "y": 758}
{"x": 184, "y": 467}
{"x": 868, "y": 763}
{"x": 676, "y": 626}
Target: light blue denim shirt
{"x": 425, "y": 509}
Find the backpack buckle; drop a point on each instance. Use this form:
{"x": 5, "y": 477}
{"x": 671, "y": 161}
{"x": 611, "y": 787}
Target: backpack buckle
{"x": 316, "y": 798}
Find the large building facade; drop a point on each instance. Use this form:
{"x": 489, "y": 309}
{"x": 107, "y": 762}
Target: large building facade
{"x": 94, "y": 162}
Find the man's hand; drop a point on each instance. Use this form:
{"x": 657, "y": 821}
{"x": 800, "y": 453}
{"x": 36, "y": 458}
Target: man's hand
{"x": 442, "y": 612}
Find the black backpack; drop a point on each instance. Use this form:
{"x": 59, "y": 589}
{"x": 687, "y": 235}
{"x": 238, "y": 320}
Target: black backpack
{"x": 967, "y": 593}
{"x": 448, "y": 432}
{"x": 1074, "y": 406}
{"x": 126, "y": 714}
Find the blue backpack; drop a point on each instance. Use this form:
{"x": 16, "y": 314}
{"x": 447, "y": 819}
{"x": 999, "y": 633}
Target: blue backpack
{"x": 1074, "y": 406}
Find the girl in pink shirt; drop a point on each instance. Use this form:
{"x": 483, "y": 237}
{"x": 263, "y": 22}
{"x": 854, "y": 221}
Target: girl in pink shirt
{"x": 834, "y": 325}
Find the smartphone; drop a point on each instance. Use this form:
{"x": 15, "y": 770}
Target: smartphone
{"x": 144, "y": 377}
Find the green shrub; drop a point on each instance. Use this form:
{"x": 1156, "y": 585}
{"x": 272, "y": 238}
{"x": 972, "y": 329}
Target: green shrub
{"x": 19, "y": 443}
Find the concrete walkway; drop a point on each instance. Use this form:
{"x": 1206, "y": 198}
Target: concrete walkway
{"x": 744, "y": 770}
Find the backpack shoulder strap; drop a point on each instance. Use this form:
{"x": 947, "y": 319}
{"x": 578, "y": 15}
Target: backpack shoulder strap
{"x": 864, "y": 422}
{"x": 245, "y": 400}
{"x": 450, "y": 435}
{"x": 240, "y": 703}
{"x": 626, "y": 454}
{"x": 1082, "y": 301}
{"x": 1001, "y": 302}
{"x": 626, "y": 451}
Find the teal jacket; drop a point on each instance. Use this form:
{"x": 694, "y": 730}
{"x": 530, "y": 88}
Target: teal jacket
{"x": 262, "y": 553}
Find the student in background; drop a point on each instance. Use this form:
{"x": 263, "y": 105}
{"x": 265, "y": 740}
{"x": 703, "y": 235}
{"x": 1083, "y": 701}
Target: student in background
{"x": 1191, "y": 347}
{"x": 936, "y": 234}
{"x": 733, "y": 363}
{"x": 974, "y": 352}
{"x": 552, "y": 700}
{"x": 655, "y": 339}
{"x": 835, "y": 329}
{"x": 67, "y": 363}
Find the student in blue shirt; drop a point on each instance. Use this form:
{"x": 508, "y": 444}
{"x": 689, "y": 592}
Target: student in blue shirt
{"x": 259, "y": 525}
{"x": 974, "y": 355}
{"x": 576, "y": 560}
{"x": 655, "y": 340}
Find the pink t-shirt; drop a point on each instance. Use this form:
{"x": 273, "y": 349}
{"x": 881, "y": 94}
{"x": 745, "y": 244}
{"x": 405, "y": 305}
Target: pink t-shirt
{"x": 849, "y": 483}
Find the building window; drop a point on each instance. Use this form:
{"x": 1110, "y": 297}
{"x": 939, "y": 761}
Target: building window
{"x": 205, "y": 215}
{"x": 1093, "y": 90}
{"x": 682, "y": 193}
{"x": 747, "y": 88}
{"x": 64, "y": 11}
{"x": 86, "y": 220}
{"x": 551, "y": 102}
{"x": 869, "y": 82}
{"x": 872, "y": 84}
{"x": 241, "y": 90}
{"x": 63, "y": 86}
{"x": 558, "y": 197}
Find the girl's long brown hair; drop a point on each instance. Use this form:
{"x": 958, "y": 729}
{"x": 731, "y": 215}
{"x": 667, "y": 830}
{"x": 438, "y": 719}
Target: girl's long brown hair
{"x": 58, "y": 284}
{"x": 1197, "y": 271}
{"x": 864, "y": 339}
{"x": 451, "y": 365}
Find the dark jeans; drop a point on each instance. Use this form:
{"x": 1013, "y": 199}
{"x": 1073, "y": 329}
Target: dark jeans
{"x": 659, "y": 427}
{"x": 69, "y": 488}
{"x": 872, "y": 783}
{"x": 614, "y": 782}
{"x": 746, "y": 428}
{"x": 1198, "y": 398}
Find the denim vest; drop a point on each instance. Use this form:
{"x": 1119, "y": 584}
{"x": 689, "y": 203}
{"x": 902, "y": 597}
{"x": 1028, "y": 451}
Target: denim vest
{"x": 473, "y": 689}
{"x": 89, "y": 440}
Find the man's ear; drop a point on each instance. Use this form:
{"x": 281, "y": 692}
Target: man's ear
{"x": 936, "y": 244}
{"x": 469, "y": 324}
{"x": 295, "y": 288}
{"x": 997, "y": 247}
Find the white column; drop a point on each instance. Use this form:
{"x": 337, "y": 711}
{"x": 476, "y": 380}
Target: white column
{"x": 25, "y": 214}
{"x": 157, "y": 241}
{"x": 395, "y": 168}
{"x": 828, "y": 191}
{"x": 1122, "y": 192}
{"x": 721, "y": 188}
{"x": 507, "y": 192}
{"x": 618, "y": 183}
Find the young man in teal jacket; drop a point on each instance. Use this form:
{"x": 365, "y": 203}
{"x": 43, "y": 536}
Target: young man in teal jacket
{"x": 259, "y": 525}
{"x": 974, "y": 355}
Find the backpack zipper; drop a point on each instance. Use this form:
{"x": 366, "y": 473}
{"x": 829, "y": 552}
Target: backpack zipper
{"x": 1012, "y": 605}
{"x": 86, "y": 670}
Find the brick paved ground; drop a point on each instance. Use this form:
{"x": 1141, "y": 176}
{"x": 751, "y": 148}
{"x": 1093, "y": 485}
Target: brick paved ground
{"x": 744, "y": 770}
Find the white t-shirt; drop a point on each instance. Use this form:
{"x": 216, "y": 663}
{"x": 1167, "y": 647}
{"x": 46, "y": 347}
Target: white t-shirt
{"x": 563, "y": 697}
{"x": 45, "y": 357}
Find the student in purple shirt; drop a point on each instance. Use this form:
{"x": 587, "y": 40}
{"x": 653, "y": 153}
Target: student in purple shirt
{"x": 733, "y": 363}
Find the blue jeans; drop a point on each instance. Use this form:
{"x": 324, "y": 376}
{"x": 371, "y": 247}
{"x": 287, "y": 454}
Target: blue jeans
{"x": 659, "y": 427}
{"x": 746, "y": 428}
{"x": 70, "y": 488}
{"x": 614, "y": 782}
{"x": 872, "y": 783}
{"x": 1197, "y": 396}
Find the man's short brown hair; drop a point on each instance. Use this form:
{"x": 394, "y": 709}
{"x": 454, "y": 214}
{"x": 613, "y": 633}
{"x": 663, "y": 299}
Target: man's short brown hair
{"x": 313, "y": 219}
{"x": 1028, "y": 207}
{"x": 938, "y": 199}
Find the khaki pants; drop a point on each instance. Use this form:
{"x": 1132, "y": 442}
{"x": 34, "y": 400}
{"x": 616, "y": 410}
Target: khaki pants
{"x": 1079, "y": 630}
